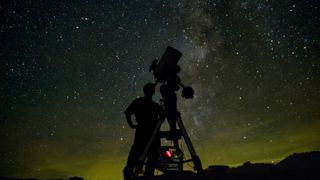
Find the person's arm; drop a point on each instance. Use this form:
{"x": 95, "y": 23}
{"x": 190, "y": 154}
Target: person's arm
{"x": 129, "y": 112}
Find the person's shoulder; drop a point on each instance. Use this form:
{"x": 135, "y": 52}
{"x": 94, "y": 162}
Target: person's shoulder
{"x": 138, "y": 100}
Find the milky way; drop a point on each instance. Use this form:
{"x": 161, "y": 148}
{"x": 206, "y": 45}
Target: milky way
{"x": 69, "y": 69}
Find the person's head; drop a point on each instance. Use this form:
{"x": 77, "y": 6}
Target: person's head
{"x": 149, "y": 89}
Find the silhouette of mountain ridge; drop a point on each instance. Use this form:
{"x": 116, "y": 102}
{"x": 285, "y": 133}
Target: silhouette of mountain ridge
{"x": 307, "y": 160}
{"x": 298, "y": 166}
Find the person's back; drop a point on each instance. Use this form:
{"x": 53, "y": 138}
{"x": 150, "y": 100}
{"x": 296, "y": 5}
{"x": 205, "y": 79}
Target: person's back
{"x": 146, "y": 112}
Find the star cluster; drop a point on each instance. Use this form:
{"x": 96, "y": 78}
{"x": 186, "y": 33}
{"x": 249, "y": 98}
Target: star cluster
{"x": 70, "y": 68}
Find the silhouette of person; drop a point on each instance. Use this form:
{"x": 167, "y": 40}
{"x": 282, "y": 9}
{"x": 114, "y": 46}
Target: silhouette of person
{"x": 147, "y": 113}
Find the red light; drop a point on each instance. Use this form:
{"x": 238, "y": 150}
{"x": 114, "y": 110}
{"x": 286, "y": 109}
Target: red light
{"x": 168, "y": 153}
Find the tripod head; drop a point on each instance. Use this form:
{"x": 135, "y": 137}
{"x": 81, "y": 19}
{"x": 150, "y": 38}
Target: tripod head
{"x": 166, "y": 72}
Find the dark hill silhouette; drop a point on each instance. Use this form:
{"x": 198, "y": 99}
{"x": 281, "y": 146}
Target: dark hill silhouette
{"x": 298, "y": 166}
{"x": 306, "y": 160}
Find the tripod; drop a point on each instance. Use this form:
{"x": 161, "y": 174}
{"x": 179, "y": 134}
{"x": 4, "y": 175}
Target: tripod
{"x": 174, "y": 134}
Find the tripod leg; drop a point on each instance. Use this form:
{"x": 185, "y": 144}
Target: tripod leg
{"x": 195, "y": 157}
{"x": 142, "y": 158}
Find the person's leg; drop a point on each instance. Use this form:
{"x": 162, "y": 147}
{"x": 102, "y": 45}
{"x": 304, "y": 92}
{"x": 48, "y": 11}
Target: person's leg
{"x": 131, "y": 162}
{"x": 150, "y": 167}
{"x": 134, "y": 154}
{"x": 153, "y": 157}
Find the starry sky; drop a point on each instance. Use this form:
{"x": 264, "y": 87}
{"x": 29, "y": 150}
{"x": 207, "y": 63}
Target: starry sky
{"x": 70, "y": 68}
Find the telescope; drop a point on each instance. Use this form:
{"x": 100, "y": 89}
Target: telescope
{"x": 171, "y": 158}
{"x": 167, "y": 69}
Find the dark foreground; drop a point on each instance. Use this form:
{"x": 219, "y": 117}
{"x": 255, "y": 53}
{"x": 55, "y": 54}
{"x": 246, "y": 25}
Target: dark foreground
{"x": 302, "y": 166}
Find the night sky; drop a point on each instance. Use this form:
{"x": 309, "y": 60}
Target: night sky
{"x": 70, "y": 68}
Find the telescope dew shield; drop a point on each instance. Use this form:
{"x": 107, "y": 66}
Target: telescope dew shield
{"x": 167, "y": 66}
